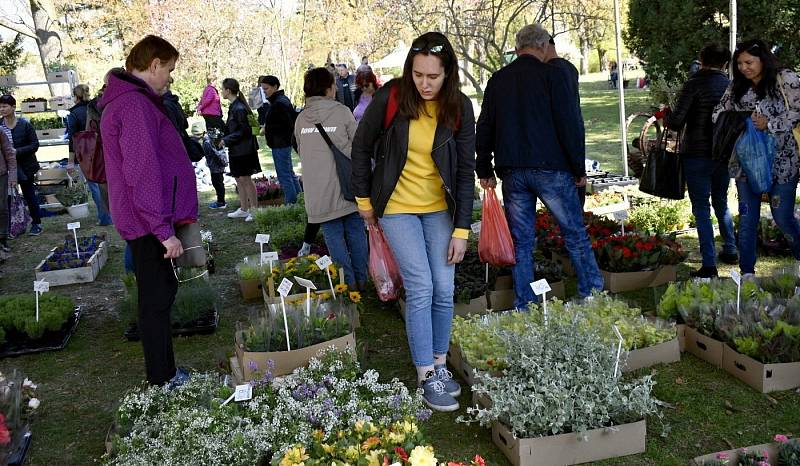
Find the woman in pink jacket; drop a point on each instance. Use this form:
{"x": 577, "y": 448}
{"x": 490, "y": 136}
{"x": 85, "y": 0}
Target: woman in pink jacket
{"x": 210, "y": 107}
{"x": 151, "y": 189}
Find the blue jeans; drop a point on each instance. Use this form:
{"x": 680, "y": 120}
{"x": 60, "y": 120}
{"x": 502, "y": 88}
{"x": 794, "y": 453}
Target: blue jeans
{"x": 103, "y": 217}
{"x": 128, "y": 258}
{"x": 282, "y": 158}
{"x": 347, "y": 243}
{"x": 420, "y": 243}
{"x": 704, "y": 178}
{"x": 782, "y": 197}
{"x": 521, "y": 188}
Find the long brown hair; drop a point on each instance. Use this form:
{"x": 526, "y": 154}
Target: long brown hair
{"x": 449, "y": 98}
{"x": 233, "y": 86}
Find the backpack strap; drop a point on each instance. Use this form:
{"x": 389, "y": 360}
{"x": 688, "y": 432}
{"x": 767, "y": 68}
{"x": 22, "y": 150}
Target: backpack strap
{"x": 392, "y": 105}
{"x": 324, "y": 135}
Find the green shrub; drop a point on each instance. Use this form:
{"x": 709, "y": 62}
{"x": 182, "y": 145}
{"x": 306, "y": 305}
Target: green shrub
{"x": 194, "y": 300}
{"x": 18, "y": 314}
{"x": 285, "y": 224}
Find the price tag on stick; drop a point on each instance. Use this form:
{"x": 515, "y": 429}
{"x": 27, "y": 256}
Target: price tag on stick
{"x": 324, "y": 263}
{"x": 308, "y": 285}
{"x": 74, "y": 227}
{"x": 619, "y": 351}
{"x": 283, "y": 290}
{"x": 269, "y": 257}
{"x": 738, "y": 280}
{"x": 262, "y": 239}
{"x": 476, "y": 228}
{"x": 540, "y": 288}
{"x": 242, "y": 393}
{"x": 40, "y": 287}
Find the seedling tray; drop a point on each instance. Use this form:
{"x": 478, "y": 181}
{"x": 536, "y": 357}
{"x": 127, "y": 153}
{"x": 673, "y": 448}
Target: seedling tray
{"x": 51, "y": 341}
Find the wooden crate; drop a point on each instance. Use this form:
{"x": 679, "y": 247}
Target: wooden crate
{"x": 33, "y": 107}
{"x": 57, "y": 133}
{"x": 77, "y": 275}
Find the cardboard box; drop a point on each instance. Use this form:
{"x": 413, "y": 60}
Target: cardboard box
{"x": 705, "y": 348}
{"x": 459, "y": 364}
{"x": 617, "y": 282}
{"x": 77, "y": 275}
{"x": 250, "y": 289}
{"x": 285, "y": 361}
{"x": 565, "y": 449}
{"x": 681, "y": 329}
{"x": 664, "y": 353}
{"x": 476, "y": 306}
{"x": 763, "y": 377}
{"x": 236, "y": 371}
{"x": 57, "y": 133}
{"x": 501, "y": 300}
{"x": 32, "y": 107}
{"x": 59, "y": 76}
{"x": 733, "y": 455}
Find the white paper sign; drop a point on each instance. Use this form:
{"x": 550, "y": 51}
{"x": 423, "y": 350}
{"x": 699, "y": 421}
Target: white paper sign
{"x": 305, "y": 283}
{"x": 73, "y": 225}
{"x": 285, "y": 287}
{"x": 243, "y": 392}
{"x": 476, "y": 228}
{"x": 540, "y": 287}
{"x": 270, "y": 256}
{"x": 736, "y": 277}
{"x": 620, "y": 215}
{"x": 41, "y": 286}
{"x": 262, "y": 238}
{"x": 324, "y": 262}
{"x": 797, "y": 290}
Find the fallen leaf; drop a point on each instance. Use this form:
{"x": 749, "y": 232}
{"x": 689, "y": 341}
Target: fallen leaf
{"x": 680, "y": 381}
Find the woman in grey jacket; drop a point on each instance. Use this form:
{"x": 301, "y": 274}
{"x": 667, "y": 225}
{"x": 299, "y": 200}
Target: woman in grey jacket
{"x": 325, "y": 204}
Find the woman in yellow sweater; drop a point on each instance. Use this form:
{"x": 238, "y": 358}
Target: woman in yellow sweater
{"x": 420, "y": 132}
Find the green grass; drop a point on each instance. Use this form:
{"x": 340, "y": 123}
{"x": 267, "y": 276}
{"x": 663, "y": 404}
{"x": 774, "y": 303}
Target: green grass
{"x": 80, "y": 387}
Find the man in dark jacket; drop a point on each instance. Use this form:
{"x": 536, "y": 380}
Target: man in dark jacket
{"x": 705, "y": 177}
{"x": 345, "y": 87}
{"x": 278, "y": 130}
{"x": 530, "y": 123}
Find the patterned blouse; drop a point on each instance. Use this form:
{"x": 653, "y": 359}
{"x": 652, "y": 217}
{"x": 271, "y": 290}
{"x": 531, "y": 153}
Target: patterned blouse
{"x": 781, "y": 120}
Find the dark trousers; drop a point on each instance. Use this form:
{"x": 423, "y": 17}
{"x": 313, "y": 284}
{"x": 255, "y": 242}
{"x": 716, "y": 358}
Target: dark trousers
{"x": 312, "y": 230}
{"x": 29, "y": 193}
{"x": 219, "y": 186}
{"x": 5, "y": 220}
{"x": 213, "y": 121}
{"x": 157, "y": 286}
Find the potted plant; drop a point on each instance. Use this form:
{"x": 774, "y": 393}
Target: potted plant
{"x": 22, "y": 333}
{"x": 18, "y": 404}
{"x": 269, "y": 191}
{"x": 75, "y": 198}
{"x": 34, "y": 104}
{"x": 64, "y": 265}
{"x": 633, "y": 261}
{"x": 48, "y": 126}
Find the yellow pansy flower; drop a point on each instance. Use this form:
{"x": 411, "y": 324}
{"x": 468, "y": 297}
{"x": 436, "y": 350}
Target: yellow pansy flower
{"x": 294, "y": 457}
{"x": 397, "y": 438}
{"x": 329, "y": 449}
{"x": 352, "y": 453}
{"x": 374, "y": 457}
{"x": 355, "y": 297}
{"x": 340, "y": 288}
{"x": 409, "y": 427}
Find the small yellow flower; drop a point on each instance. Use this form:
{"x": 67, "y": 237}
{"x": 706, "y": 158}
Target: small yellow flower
{"x": 313, "y": 257}
{"x": 355, "y": 297}
{"x": 359, "y": 426}
{"x": 318, "y": 435}
{"x": 422, "y": 456}
{"x": 340, "y": 288}
{"x": 324, "y": 296}
{"x": 352, "y": 453}
{"x": 397, "y": 438}
{"x": 372, "y": 428}
{"x": 313, "y": 268}
{"x": 374, "y": 457}
{"x": 294, "y": 457}
{"x": 329, "y": 449}
{"x": 409, "y": 427}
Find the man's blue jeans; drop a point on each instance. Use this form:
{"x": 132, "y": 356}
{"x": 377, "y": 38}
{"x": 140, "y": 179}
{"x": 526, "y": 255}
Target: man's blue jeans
{"x": 704, "y": 178}
{"x": 347, "y": 243}
{"x": 103, "y": 217}
{"x": 282, "y": 158}
{"x": 420, "y": 243}
{"x": 556, "y": 189}
{"x": 782, "y": 198}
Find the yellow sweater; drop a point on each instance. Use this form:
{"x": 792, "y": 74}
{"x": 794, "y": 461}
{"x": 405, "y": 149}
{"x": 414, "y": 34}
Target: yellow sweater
{"x": 420, "y": 189}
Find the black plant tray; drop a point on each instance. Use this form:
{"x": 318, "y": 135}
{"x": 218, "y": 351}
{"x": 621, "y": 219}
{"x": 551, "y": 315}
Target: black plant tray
{"x": 19, "y": 449}
{"x": 205, "y": 326}
{"x": 51, "y": 341}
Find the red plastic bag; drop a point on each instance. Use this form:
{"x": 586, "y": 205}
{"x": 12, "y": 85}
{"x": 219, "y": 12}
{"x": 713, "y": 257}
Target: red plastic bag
{"x": 382, "y": 266}
{"x": 495, "y": 245}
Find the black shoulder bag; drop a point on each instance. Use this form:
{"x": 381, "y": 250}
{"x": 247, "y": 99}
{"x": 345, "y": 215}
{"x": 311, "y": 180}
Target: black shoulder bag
{"x": 344, "y": 166}
{"x": 663, "y": 174}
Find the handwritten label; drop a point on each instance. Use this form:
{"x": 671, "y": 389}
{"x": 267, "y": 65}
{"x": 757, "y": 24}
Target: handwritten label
{"x": 73, "y": 225}
{"x": 269, "y": 256}
{"x": 620, "y": 215}
{"x": 736, "y": 277}
{"x": 305, "y": 283}
{"x": 262, "y": 238}
{"x": 41, "y": 286}
{"x": 476, "y": 228}
{"x": 324, "y": 262}
{"x": 243, "y": 392}
{"x": 285, "y": 287}
{"x": 540, "y": 287}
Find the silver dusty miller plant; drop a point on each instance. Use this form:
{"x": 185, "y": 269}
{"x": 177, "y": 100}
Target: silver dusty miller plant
{"x": 560, "y": 379}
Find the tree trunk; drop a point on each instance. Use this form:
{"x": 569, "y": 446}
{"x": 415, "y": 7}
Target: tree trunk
{"x": 476, "y": 84}
{"x": 601, "y": 57}
{"x": 584, "y": 44}
{"x": 47, "y": 39}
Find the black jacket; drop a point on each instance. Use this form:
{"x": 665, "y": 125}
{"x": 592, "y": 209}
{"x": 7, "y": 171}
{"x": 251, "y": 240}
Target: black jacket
{"x": 344, "y": 91}
{"x": 727, "y": 129}
{"x": 26, "y": 143}
{"x": 174, "y": 111}
{"x": 76, "y": 120}
{"x": 693, "y": 110}
{"x": 279, "y": 121}
{"x": 453, "y": 154}
{"x": 530, "y": 118}
{"x": 238, "y": 132}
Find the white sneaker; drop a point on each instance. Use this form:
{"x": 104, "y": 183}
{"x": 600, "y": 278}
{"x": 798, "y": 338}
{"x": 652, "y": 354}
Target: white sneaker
{"x": 249, "y": 218}
{"x": 238, "y": 213}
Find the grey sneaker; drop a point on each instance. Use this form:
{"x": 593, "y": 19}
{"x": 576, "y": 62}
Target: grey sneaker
{"x": 446, "y": 377}
{"x": 180, "y": 378}
{"x": 436, "y": 397}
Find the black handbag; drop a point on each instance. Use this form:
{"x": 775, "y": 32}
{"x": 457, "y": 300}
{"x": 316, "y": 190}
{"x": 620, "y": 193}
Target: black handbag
{"x": 344, "y": 166}
{"x": 663, "y": 174}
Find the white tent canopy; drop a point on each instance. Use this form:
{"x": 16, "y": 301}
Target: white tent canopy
{"x": 395, "y": 59}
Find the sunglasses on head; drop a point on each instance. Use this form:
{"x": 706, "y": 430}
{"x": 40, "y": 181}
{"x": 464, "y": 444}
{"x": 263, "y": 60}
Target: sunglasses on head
{"x": 432, "y": 45}
{"x": 748, "y": 49}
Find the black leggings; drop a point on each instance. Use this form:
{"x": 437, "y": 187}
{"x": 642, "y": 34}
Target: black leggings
{"x": 213, "y": 121}
{"x": 219, "y": 186}
{"x": 29, "y": 193}
{"x": 312, "y": 230}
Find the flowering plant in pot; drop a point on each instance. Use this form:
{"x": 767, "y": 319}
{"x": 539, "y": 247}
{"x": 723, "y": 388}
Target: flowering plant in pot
{"x": 268, "y": 188}
{"x": 633, "y": 252}
{"x": 75, "y": 198}
{"x": 18, "y": 404}
{"x": 548, "y": 233}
